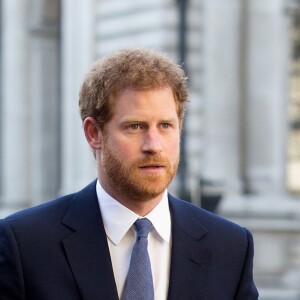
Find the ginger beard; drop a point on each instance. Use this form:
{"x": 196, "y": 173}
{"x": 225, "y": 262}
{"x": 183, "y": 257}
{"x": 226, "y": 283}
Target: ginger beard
{"x": 127, "y": 178}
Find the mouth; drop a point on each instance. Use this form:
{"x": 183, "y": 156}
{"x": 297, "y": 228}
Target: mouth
{"x": 151, "y": 166}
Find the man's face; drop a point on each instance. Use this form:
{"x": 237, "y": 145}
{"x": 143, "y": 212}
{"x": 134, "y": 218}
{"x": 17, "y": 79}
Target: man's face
{"x": 140, "y": 149}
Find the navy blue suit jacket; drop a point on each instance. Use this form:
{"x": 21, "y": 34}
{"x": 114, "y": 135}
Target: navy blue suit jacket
{"x": 59, "y": 251}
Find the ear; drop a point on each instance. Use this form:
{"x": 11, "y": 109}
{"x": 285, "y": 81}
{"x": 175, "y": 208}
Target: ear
{"x": 92, "y": 133}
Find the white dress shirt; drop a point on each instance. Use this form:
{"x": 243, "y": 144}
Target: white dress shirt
{"x": 118, "y": 223}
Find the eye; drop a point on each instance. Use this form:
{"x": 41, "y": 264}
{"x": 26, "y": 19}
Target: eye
{"x": 165, "y": 125}
{"x": 134, "y": 126}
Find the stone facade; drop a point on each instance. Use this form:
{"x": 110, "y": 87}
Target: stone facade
{"x": 238, "y": 61}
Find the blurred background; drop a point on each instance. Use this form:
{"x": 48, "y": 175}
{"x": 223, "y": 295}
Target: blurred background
{"x": 241, "y": 141}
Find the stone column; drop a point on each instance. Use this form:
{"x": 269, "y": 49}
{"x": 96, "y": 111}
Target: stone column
{"x": 45, "y": 99}
{"x": 15, "y": 113}
{"x": 78, "y": 33}
{"x": 221, "y": 94}
{"x": 266, "y": 108}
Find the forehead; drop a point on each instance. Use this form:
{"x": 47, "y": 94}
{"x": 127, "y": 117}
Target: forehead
{"x": 155, "y": 100}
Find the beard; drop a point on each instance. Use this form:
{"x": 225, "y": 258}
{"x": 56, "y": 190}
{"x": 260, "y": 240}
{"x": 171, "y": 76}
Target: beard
{"x": 126, "y": 177}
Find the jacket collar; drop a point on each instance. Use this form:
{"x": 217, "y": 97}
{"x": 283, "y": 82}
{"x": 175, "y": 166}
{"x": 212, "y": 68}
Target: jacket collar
{"x": 86, "y": 248}
{"x": 191, "y": 255}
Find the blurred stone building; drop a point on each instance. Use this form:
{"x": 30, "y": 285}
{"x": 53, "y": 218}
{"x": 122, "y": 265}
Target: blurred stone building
{"x": 242, "y": 133}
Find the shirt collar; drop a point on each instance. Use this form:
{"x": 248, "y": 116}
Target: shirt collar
{"x": 118, "y": 219}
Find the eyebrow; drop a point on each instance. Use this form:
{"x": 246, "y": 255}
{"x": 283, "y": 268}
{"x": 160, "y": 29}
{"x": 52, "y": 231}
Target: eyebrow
{"x": 140, "y": 120}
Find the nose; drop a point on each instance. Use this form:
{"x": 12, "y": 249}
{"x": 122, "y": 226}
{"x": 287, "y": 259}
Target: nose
{"x": 152, "y": 142}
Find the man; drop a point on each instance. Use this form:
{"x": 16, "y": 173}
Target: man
{"x": 82, "y": 246}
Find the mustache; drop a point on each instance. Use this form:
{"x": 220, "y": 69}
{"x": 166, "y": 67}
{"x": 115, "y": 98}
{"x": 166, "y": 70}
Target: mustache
{"x": 152, "y": 160}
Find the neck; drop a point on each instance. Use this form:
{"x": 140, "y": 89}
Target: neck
{"x": 139, "y": 204}
{"x": 141, "y": 207}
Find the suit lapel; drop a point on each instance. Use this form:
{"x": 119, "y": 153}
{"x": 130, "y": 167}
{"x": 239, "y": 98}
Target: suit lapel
{"x": 86, "y": 249}
{"x": 190, "y": 258}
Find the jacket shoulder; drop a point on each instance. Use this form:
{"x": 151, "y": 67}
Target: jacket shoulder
{"x": 51, "y": 210}
{"x": 213, "y": 223}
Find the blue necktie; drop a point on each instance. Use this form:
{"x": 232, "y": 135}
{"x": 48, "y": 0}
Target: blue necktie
{"x": 139, "y": 284}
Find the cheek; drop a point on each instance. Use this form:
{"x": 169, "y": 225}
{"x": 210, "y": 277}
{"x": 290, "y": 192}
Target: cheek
{"x": 123, "y": 149}
{"x": 173, "y": 148}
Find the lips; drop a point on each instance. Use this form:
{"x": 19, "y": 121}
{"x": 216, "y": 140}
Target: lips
{"x": 152, "y": 166}
{"x": 152, "y": 163}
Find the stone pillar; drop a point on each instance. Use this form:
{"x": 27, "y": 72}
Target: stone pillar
{"x": 45, "y": 100}
{"x": 194, "y": 119}
{"x": 221, "y": 94}
{"x": 78, "y": 34}
{"x": 15, "y": 121}
{"x": 266, "y": 107}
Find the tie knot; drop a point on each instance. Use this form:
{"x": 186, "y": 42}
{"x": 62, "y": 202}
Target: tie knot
{"x": 142, "y": 227}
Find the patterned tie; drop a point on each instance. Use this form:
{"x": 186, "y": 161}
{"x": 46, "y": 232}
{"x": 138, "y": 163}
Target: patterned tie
{"x": 139, "y": 284}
